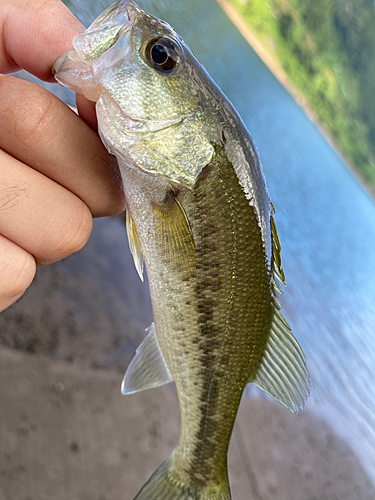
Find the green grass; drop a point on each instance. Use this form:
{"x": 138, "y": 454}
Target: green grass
{"x": 327, "y": 50}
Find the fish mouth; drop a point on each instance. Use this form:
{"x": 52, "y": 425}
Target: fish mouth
{"x": 77, "y": 68}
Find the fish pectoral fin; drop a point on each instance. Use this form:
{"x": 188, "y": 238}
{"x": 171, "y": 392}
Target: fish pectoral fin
{"x": 282, "y": 371}
{"x": 173, "y": 232}
{"x": 147, "y": 369}
{"x": 134, "y": 243}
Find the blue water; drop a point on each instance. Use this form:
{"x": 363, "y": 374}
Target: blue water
{"x": 325, "y": 220}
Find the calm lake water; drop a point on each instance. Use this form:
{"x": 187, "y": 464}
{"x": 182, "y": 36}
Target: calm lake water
{"x": 325, "y": 220}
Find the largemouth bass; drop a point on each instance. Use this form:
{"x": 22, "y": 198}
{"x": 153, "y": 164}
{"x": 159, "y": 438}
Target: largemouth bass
{"x": 200, "y": 218}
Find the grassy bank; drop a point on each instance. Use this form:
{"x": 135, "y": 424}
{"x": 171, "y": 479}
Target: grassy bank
{"x": 327, "y": 50}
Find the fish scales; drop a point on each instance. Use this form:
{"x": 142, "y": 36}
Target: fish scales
{"x": 199, "y": 217}
{"x": 232, "y": 304}
{"x": 220, "y": 316}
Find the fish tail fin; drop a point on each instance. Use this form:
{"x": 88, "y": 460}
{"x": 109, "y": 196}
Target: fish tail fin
{"x": 167, "y": 484}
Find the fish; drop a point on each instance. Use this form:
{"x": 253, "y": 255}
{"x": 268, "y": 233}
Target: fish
{"x": 199, "y": 218}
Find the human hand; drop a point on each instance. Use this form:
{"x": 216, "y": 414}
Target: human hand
{"x": 55, "y": 174}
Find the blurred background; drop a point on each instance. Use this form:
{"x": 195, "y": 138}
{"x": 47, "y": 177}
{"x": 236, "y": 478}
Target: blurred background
{"x": 65, "y": 430}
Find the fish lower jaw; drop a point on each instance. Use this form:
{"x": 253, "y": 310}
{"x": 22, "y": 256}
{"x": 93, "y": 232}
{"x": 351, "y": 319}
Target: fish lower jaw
{"x": 76, "y": 77}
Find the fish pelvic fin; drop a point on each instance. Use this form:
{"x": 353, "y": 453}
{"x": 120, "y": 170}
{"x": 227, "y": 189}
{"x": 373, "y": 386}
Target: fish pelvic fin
{"x": 134, "y": 243}
{"x": 167, "y": 484}
{"x": 282, "y": 371}
{"x": 147, "y": 369}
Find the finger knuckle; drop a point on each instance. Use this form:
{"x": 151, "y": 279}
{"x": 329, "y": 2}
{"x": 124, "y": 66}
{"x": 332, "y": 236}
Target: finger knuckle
{"x": 28, "y": 113}
{"x": 20, "y": 274}
{"x": 78, "y": 232}
{"x": 32, "y": 128}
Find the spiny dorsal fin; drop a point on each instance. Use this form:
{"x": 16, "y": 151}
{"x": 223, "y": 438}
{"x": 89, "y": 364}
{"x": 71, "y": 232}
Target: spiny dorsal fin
{"x": 147, "y": 369}
{"x": 282, "y": 372}
{"x": 277, "y": 270}
{"x": 134, "y": 243}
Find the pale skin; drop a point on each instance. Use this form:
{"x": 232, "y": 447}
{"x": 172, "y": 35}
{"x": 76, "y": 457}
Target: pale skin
{"x": 55, "y": 174}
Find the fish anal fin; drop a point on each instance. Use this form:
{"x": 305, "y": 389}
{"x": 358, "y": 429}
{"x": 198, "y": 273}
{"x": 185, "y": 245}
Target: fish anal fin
{"x": 147, "y": 369}
{"x": 282, "y": 371}
{"x": 134, "y": 243}
{"x": 174, "y": 234}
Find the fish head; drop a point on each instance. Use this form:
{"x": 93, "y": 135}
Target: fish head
{"x": 154, "y": 105}
{"x": 81, "y": 67}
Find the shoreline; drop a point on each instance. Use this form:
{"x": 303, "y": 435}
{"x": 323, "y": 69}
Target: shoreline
{"x": 278, "y": 72}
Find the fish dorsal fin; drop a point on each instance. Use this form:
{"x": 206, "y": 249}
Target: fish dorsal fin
{"x": 134, "y": 243}
{"x": 147, "y": 369}
{"x": 277, "y": 270}
{"x": 282, "y": 372}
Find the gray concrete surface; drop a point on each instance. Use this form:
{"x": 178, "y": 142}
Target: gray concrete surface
{"x": 66, "y": 433}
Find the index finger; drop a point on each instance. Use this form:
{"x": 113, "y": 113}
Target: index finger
{"x": 33, "y": 34}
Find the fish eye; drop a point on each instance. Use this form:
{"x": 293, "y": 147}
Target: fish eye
{"x": 162, "y": 54}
